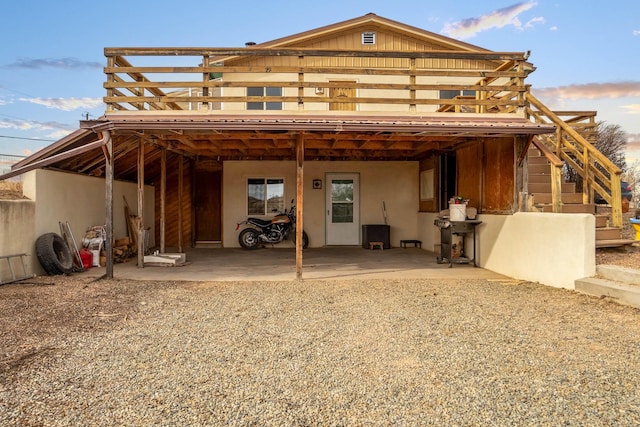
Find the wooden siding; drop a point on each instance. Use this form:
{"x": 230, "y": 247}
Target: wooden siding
{"x": 469, "y": 171}
{"x": 486, "y": 175}
{"x": 172, "y": 204}
{"x": 351, "y": 39}
{"x": 499, "y": 176}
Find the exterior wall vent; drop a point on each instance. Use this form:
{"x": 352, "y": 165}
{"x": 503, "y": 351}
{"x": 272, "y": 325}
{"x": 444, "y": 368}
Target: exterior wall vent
{"x": 369, "y": 37}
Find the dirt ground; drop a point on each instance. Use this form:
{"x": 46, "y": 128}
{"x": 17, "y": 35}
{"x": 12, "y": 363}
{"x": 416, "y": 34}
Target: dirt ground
{"x": 34, "y": 310}
{"x": 626, "y": 256}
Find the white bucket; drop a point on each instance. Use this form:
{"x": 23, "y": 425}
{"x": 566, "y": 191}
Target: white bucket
{"x": 457, "y": 212}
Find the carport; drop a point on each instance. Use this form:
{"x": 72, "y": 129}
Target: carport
{"x": 331, "y": 263}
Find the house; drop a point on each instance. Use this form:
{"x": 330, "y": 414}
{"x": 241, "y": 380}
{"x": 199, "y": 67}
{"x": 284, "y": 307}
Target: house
{"x": 398, "y": 118}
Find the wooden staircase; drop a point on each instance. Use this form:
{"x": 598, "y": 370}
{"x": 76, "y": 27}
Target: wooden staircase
{"x": 539, "y": 188}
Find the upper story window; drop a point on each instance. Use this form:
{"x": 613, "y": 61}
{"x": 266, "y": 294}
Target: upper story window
{"x": 264, "y": 91}
{"x": 451, "y": 94}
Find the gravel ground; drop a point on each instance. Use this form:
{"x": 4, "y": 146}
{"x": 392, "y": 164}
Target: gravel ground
{"x": 334, "y": 353}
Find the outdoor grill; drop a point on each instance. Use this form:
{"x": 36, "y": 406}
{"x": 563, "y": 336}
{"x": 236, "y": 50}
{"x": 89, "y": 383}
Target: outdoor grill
{"x": 455, "y": 252}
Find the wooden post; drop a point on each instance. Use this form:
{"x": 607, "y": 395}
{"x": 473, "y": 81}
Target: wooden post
{"x": 521, "y": 147}
{"x": 163, "y": 198}
{"x": 556, "y": 189}
{"x": 412, "y": 83}
{"x": 107, "y": 149}
{"x": 616, "y": 201}
{"x": 587, "y": 177}
{"x": 180, "y": 204}
{"x": 140, "y": 219}
{"x": 205, "y": 79}
{"x": 299, "y": 203}
{"x": 300, "y": 84}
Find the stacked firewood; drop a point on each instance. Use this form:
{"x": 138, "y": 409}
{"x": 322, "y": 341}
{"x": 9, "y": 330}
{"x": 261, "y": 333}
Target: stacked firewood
{"x": 123, "y": 249}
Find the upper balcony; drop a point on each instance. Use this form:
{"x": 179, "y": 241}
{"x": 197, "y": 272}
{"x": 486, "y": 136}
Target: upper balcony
{"x": 314, "y": 81}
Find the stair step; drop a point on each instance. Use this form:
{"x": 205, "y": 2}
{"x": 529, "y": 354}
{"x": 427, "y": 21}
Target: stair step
{"x": 544, "y": 168}
{"x": 572, "y": 208}
{"x": 545, "y": 187}
{"x": 537, "y": 160}
{"x": 567, "y": 198}
{"x": 601, "y": 220}
{"x": 539, "y": 178}
{"x": 608, "y": 233}
{"x": 622, "y": 292}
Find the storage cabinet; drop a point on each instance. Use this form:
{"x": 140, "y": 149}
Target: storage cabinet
{"x": 376, "y": 233}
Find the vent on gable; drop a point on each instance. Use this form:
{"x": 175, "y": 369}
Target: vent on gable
{"x": 369, "y": 37}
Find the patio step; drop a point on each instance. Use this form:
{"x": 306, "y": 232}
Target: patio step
{"x": 619, "y": 283}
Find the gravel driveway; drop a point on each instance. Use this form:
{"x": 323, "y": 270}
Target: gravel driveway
{"x": 329, "y": 353}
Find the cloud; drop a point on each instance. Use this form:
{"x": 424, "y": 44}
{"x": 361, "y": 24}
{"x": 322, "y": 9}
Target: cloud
{"x": 633, "y": 141}
{"x": 468, "y": 28}
{"x": 64, "y": 63}
{"x": 537, "y": 20}
{"x": 636, "y": 32}
{"x": 590, "y": 91}
{"x": 66, "y": 104}
{"x": 554, "y": 28}
{"x": 34, "y": 125}
{"x": 632, "y": 108}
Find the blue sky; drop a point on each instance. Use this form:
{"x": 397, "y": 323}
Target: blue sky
{"x": 51, "y": 54}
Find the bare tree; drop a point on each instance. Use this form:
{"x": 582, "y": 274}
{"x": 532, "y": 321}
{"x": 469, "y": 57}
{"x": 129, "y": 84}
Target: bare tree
{"x": 611, "y": 141}
{"x": 632, "y": 176}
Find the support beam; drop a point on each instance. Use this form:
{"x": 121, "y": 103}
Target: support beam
{"x": 107, "y": 149}
{"x": 556, "y": 189}
{"x": 163, "y": 198}
{"x": 180, "y": 201}
{"x": 140, "y": 219}
{"x": 299, "y": 202}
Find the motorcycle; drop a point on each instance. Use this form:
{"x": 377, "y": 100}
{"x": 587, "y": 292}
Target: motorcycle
{"x": 262, "y": 231}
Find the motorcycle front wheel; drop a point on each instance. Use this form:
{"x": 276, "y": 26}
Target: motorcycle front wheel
{"x": 305, "y": 239}
{"x": 249, "y": 238}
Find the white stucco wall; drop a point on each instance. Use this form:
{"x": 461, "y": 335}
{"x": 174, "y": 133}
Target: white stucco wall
{"x": 16, "y": 236}
{"x": 552, "y": 249}
{"x": 395, "y": 183}
{"x": 80, "y": 200}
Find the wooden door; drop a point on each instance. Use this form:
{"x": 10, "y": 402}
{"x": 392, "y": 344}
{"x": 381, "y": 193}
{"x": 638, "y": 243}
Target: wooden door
{"x": 208, "y": 203}
{"x": 342, "y": 92}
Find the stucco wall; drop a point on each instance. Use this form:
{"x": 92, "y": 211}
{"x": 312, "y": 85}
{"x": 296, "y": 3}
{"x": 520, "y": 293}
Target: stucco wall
{"x": 395, "y": 183}
{"x": 16, "y": 236}
{"x": 552, "y": 249}
{"x": 80, "y": 200}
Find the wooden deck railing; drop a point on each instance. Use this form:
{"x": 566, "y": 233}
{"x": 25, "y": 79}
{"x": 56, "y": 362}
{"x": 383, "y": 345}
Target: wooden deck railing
{"x": 390, "y": 81}
{"x": 599, "y": 174}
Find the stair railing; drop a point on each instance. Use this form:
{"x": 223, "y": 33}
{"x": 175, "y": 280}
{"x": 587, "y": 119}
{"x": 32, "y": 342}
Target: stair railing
{"x": 599, "y": 174}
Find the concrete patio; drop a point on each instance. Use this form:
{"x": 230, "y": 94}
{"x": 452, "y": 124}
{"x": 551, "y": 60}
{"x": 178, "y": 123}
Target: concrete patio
{"x": 273, "y": 264}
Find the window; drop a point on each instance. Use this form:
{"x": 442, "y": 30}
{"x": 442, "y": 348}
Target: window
{"x": 427, "y": 184}
{"x": 450, "y": 94}
{"x": 264, "y": 91}
{"x": 265, "y": 196}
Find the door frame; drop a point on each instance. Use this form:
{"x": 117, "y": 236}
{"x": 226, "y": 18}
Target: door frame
{"x": 355, "y": 237}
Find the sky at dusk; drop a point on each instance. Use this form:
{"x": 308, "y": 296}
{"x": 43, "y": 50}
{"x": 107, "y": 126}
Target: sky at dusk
{"x": 586, "y": 54}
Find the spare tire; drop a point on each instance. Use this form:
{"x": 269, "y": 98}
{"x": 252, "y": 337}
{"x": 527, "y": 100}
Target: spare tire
{"x": 54, "y": 254}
